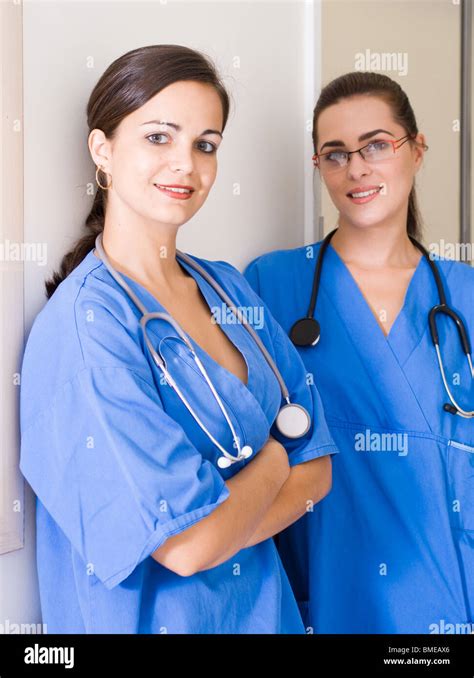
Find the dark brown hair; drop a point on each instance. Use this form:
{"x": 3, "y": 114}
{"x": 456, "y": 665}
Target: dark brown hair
{"x": 383, "y": 87}
{"x": 127, "y": 84}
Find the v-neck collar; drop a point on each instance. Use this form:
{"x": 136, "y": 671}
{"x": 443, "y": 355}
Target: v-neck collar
{"x": 210, "y": 296}
{"x": 236, "y": 333}
{"x": 410, "y": 322}
{"x": 255, "y": 397}
{"x": 383, "y": 357}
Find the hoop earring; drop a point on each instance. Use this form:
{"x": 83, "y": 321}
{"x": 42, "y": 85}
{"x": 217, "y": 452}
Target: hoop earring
{"x": 97, "y": 178}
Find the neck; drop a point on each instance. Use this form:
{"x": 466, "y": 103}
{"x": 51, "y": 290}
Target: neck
{"x": 372, "y": 247}
{"x": 146, "y": 254}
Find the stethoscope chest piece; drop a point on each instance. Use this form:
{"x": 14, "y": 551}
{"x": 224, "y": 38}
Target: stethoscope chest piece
{"x": 305, "y": 332}
{"x": 293, "y": 421}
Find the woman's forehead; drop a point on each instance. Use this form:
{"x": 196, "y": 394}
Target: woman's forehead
{"x": 184, "y": 103}
{"x": 351, "y": 118}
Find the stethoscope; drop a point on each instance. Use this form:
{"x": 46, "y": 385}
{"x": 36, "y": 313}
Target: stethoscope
{"x": 307, "y": 331}
{"x": 292, "y": 421}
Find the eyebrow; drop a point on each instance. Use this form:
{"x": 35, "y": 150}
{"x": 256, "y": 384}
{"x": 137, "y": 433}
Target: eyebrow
{"x": 363, "y": 137}
{"x": 178, "y": 128}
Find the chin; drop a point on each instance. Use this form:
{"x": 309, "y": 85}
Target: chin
{"x": 171, "y": 217}
{"x": 365, "y": 221}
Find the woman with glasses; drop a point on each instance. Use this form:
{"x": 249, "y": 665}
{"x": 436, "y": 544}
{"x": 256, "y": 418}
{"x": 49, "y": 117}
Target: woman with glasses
{"x": 391, "y": 549}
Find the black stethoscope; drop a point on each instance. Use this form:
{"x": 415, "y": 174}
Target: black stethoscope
{"x": 307, "y": 331}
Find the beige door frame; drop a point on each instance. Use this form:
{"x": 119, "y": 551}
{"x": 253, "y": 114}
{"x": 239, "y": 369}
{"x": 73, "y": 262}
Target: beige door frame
{"x": 11, "y": 273}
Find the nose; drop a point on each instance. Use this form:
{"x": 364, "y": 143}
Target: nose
{"x": 181, "y": 159}
{"x": 357, "y": 166}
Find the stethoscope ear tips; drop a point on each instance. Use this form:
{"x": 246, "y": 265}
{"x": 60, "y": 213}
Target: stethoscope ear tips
{"x": 305, "y": 332}
{"x": 245, "y": 453}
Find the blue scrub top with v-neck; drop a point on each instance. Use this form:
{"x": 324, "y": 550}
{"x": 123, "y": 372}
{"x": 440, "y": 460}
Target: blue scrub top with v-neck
{"x": 391, "y": 548}
{"x": 118, "y": 464}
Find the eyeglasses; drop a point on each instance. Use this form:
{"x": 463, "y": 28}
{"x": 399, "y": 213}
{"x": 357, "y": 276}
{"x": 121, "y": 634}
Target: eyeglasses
{"x": 375, "y": 151}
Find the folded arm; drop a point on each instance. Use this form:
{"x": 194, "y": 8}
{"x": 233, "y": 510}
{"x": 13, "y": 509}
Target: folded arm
{"x": 225, "y": 531}
{"x": 306, "y": 485}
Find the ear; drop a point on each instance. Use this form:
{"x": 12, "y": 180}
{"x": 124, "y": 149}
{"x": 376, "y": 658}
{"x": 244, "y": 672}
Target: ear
{"x": 100, "y": 149}
{"x": 419, "y": 150}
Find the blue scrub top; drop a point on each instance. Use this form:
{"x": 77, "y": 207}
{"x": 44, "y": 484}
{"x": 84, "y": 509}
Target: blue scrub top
{"x": 118, "y": 464}
{"x": 391, "y": 548}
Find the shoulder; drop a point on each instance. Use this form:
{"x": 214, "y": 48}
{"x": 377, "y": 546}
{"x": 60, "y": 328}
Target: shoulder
{"x": 458, "y": 270}
{"x": 227, "y": 276}
{"x": 458, "y": 276}
{"x": 88, "y": 294}
{"x": 458, "y": 280}
{"x": 241, "y": 294}
{"x": 85, "y": 324}
{"x": 217, "y": 268}
{"x": 275, "y": 275}
{"x": 271, "y": 262}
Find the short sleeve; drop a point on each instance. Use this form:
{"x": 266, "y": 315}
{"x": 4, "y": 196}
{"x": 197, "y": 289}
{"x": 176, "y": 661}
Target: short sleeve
{"x": 301, "y": 385}
{"x": 117, "y": 474}
{"x": 251, "y": 275}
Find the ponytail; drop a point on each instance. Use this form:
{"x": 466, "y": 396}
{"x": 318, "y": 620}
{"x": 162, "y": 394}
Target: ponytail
{"x": 94, "y": 225}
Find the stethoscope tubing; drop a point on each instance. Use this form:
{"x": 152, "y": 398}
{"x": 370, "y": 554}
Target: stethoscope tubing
{"x": 313, "y": 330}
{"x": 242, "y": 452}
{"x": 144, "y": 320}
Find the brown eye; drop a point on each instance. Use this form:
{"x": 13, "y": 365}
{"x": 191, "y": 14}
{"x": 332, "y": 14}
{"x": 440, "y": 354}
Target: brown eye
{"x": 206, "y": 147}
{"x": 160, "y": 134}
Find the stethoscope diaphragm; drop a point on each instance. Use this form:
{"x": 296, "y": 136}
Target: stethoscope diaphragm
{"x": 293, "y": 421}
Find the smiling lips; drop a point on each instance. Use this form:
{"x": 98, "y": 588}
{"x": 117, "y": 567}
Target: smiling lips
{"x": 359, "y": 195}
{"x": 363, "y": 194}
{"x": 177, "y": 191}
